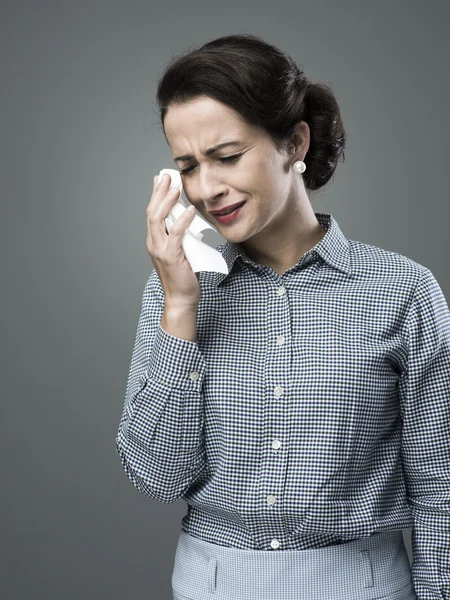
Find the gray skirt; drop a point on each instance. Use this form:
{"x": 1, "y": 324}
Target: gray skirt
{"x": 369, "y": 568}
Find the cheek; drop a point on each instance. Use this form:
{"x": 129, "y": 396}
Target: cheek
{"x": 257, "y": 185}
{"x": 266, "y": 181}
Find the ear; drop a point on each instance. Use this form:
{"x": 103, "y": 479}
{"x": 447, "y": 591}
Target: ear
{"x": 300, "y": 139}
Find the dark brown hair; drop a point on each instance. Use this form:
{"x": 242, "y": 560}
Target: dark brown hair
{"x": 266, "y": 87}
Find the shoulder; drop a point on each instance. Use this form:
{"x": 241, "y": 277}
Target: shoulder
{"x": 373, "y": 262}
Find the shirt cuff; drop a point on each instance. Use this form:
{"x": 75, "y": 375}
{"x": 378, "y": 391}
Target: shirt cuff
{"x": 176, "y": 362}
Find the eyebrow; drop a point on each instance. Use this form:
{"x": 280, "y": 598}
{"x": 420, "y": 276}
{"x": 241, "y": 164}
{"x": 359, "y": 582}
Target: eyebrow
{"x": 209, "y": 151}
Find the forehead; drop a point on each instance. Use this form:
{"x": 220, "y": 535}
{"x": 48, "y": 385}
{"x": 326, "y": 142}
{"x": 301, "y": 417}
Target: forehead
{"x": 203, "y": 122}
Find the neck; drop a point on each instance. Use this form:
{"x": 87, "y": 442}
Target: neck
{"x": 282, "y": 247}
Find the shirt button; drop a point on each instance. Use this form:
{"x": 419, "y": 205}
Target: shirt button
{"x": 276, "y": 444}
{"x": 278, "y": 391}
{"x": 281, "y": 290}
{"x": 280, "y": 340}
{"x": 275, "y": 544}
{"x": 194, "y": 375}
{"x": 271, "y": 500}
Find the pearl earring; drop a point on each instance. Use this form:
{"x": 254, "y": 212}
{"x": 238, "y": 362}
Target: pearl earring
{"x": 299, "y": 166}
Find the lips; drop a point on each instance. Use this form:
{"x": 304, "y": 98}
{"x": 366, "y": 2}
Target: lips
{"x": 231, "y": 207}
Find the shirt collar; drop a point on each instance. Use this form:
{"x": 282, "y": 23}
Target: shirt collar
{"x": 333, "y": 248}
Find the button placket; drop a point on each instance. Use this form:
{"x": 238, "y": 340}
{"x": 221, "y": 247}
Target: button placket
{"x": 278, "y": 391}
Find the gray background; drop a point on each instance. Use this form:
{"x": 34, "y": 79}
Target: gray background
{"x": 81, "y": 142}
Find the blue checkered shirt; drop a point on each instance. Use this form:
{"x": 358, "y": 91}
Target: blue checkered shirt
{"x": 314, "y": 407}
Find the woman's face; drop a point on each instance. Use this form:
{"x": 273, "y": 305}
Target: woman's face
{"x": 260, "y": 174}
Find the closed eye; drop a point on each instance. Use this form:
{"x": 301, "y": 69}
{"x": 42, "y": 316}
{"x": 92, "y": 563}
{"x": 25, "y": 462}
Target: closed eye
{"x": 223, "y": 159}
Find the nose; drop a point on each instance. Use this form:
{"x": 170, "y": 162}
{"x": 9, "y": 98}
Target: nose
{"x": 211, "y": 187}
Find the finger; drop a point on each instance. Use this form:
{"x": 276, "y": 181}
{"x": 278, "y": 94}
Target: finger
{"x": 156, "y": 225}
{"x": 155, "y": 178}
{"x": 159, "y": 191}
{"x": 180, "y": 225}
{"x": 149, "y": 235}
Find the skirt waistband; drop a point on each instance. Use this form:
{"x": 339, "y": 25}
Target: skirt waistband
{"x": 363, "y": 569}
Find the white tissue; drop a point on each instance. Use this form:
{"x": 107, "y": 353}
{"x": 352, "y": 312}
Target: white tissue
{"x": 200, "y": 256}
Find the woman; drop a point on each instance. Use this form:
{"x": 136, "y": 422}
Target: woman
{"x": 300, "y": 403}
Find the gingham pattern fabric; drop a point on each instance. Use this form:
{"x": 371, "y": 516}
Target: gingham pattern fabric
{"x": 314, "y": 407}
{"x": 368, "y": 568}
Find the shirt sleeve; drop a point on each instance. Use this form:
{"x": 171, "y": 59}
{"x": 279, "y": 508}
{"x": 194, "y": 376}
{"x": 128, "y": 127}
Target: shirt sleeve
{"x": 424, "y": 388}
{"x": 159, "y": 440}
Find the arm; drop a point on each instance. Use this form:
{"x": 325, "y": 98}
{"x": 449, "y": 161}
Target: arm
{"x": 425, "y": 406}
{"x": 159, "y": 440}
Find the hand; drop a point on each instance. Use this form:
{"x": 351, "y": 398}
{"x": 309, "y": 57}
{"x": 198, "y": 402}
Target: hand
{"x": 180, "y": 283}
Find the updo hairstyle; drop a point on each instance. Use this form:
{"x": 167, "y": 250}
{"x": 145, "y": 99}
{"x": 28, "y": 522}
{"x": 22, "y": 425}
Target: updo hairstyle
{"x": 267, "y": 88}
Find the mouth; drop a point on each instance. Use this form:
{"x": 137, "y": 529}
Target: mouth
{"x": 231, "y": 208}
{"x": 229, "y": 215}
